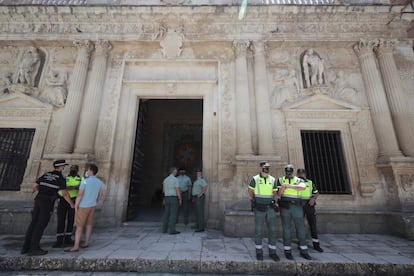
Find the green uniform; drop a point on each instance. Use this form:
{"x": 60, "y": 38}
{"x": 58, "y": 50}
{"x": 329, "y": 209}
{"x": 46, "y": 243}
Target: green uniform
{"x": 171, "y": 204}
{"x": 263, "y": 192}
{"x": 291, "y": 209}
{"x": 185, "y": 183}
{"x": 199, "y": 202}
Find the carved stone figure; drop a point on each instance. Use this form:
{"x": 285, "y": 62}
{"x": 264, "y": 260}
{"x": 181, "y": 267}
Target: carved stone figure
{"x": 313, "y": 69}
{"x": 342, "y": 89}
{"x": 287, "y": 88}
{"x": 5, "y": 81}
{"x": 28, "y": 68}
{"x": 55, "y": 90}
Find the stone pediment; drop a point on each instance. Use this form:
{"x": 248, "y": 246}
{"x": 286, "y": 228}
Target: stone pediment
{"x": 22, "y": 105}
{"x": 320, "y": 102}
{"x": 322, "y": 108}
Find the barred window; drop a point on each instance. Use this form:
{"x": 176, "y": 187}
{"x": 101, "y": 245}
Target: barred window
{"x": 15, "y": 145}
{"x": 325, "y": 161}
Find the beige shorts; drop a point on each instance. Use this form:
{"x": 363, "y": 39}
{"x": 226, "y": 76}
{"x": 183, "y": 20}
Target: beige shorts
{"x": 84, "y": 216}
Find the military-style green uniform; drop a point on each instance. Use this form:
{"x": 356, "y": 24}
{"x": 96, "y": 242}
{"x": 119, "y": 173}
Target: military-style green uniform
{"x": 309, "y": 210}
{"x": 263, "y": 188}
{"x": 171, "y": 204}
{"x": 291, "y": 209}
{"x": 199, "y": 202}
{"x": 185, "y": 183}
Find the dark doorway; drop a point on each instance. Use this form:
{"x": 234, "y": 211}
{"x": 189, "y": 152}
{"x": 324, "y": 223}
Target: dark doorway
{"x": 169, "y": 133}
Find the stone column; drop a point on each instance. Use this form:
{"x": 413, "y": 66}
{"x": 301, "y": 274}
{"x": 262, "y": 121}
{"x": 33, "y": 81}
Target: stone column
{"x": 380, "y": 114}
{"x": 244, "y": 138}
{"x": 85, "y": 141}
{"x": 74, "y": 100}
{"x": 395, "y": 95}
{"x": 264, "y": 125}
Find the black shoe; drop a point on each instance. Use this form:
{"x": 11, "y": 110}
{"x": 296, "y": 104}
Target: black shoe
{"x": 174, "y": 233}
{"x": 24, "y": 251}
{"x": 317, "y": 247}
{"x": 58, "y": 245}
{"x": 37, "y": 252}
{"x": 274, "y": 257}
{"x": 259, "y": 256}
{"x": 69, "y": 242}
{"x": 305, "y": 255}
{"x": 199, "y": 230}
{"x": 288, "y": 255}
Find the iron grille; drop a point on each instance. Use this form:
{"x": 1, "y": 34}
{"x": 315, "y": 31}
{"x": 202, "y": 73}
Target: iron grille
{"x": 324, "y": 161}
{"x": 15, "y": 145}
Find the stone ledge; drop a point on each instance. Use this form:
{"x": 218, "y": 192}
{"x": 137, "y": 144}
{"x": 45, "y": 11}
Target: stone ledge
{"x": 194, "y": 266}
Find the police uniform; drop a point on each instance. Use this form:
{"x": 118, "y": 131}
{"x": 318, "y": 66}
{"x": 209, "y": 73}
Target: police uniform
{"x": 66, "y": 213}
{"x": 49, "y": 184}
{"x": 290, "y": 204}
{"x": 199, "y": 202}
{"x": 263, "y": 208}
{"x": 309, "y": 211}
{"x": 185, "y": 183}
{"x": 171, "y": 201}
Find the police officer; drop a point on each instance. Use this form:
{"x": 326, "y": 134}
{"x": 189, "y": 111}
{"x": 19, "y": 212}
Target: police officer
{"x": 172, "y": 199}
{"x": 47, "y": 186}
{"x": 199, "y": 198}
{"x": 309, "y": 196}
{"x": 185, "y": 187}
{"x": 262, "y": 189}
{"x": 64, "y": 211}
{"x": 290, "y": 203}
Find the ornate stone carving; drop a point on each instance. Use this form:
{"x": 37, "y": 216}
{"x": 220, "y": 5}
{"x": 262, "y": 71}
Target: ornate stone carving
{"x": 286, "y": 88}
{"x": 55, "y": 91}
{"x": 240, "y": 47}
{"x": 171, "y": 40}
{"x": 5, "y": 82}
{"x": 102, "y": 48}
{"x": 28, "y": 68}
{"x": 363, "y": 47}
{"x": 313, "y": 69}
{"x": 367, "y": 189}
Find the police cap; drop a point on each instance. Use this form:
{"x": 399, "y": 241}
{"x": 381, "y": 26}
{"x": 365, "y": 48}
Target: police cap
{"x": 58, "y": 163}
{"x": 300, "y": 171}
{"x": 264, "y": 164}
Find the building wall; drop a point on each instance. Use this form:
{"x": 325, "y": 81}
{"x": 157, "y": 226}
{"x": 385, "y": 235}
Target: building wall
{"x": 250, "y": 76}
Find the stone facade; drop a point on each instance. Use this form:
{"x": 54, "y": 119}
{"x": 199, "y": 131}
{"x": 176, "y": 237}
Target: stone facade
{"x": 76, "y": 74}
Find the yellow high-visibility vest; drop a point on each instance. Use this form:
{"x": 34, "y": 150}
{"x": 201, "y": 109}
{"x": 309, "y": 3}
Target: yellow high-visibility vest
{"x": 290, "y": 193}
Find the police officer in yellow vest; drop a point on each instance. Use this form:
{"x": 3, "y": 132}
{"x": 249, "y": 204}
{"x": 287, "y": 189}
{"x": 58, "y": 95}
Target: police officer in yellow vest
{"x": 262, "y": 190}
{"x": 66, "y": 214}
{"x": 309, "y": 196}
{"x": 290, "y": 203}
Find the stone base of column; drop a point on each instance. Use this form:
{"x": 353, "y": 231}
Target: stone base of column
{"x": 399, "y": 192}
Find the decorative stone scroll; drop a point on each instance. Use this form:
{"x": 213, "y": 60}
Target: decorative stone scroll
{"x": 171, "y": 40}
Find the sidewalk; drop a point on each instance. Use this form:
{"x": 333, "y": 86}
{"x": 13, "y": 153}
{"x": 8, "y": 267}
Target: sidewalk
{"x": 141, "y": 247}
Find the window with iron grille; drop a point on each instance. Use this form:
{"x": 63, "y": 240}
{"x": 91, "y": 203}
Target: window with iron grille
{"x": 324, "y": 161}
{"x": 15, "y": 145}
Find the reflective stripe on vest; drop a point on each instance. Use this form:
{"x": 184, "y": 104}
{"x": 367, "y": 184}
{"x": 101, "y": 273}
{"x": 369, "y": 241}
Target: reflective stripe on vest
{"x": 307, "y": 193}
{"x": 290, "y": 193}
{"x": 264, "y": 186}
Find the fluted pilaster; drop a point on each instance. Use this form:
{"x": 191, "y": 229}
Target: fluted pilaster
{"x": 264, "y": 126}
{"x": 381, "y": 117}
{"x": 395, "y": 95}
{"x": 85, "y": 141}
{"x": 244, "y": 138}
{"x": 74, "y": 100}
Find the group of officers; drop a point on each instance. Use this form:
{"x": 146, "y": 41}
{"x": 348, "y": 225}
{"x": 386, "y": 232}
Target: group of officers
{"x": 296, "y": 198}
{"x": 178, "y": 193}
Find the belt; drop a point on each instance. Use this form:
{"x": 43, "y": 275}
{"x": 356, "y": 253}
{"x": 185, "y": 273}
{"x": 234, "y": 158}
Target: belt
{"x": 184, "y": 191}
{"x": 170, "y": 196}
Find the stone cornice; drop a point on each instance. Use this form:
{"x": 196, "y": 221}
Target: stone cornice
{"x": 333, "y": 23}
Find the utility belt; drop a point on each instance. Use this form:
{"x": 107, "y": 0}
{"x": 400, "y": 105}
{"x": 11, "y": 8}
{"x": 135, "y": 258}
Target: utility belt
{"x": 264, "y": 207}
{"x": 283, "y": 203}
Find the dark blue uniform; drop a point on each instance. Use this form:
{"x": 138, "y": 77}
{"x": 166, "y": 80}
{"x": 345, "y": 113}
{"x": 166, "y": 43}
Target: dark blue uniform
{"x": 49, "y": 184}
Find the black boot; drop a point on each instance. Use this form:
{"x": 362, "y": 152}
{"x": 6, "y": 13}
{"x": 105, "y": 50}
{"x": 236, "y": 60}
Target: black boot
{"x": 288, "y": 254}
{"x": 58, "y": 243}
{"x": 259, "y": 256}
{"x": 305, "y": 255}
{"x": 317, "y": 246}
{"x": 68, "y": 240}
